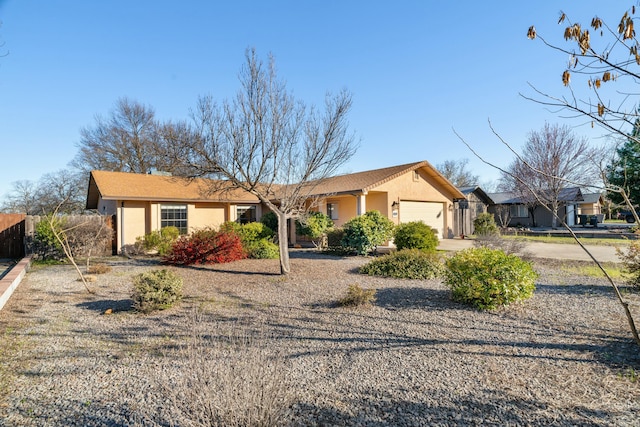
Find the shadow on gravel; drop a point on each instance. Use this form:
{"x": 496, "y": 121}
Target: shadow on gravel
{"x": 488, "y": 408}
{"x": 102, "y": 305}
{"x": 581, "y": 290}
{"x": 399, "y": 298}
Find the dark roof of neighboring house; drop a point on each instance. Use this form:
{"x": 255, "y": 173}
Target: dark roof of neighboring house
{"x": 570, "y": 194}
{"x": 478, "y": 191}
{"x": 592, "y": 197}
{"x": 362, "y": 182}
{"x": 135, "y": 186}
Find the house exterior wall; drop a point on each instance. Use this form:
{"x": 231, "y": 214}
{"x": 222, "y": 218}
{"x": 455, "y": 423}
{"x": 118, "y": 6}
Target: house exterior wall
{"x": 132, "y": 221}
{"x": 419, "y": 189}
{"x": 201, "y": 215}
{"x": 589, "y": 208}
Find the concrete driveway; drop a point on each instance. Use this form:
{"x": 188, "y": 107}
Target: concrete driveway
{"x": 547, "y": 250}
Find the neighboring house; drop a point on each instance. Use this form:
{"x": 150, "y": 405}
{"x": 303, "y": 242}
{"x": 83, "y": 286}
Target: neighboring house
{"x": 512, "y": 210}
{"x": 143, "y": 203}
{"x": 466, "y": 211}
{"x": 591, "y": 204}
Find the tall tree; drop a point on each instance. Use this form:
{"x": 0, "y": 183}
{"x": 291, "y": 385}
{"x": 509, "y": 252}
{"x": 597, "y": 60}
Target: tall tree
{"x": 552, "y": 159}
{"x": 22, "y": 198}
{"x": 457, "y": 172}
{"x": 267, "y": 143}
{"x": 64, "y": 191}
{"x": 125, "y": 141}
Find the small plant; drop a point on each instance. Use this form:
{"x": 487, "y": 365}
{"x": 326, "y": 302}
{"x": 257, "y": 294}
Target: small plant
{"x": 156, "y": 290}
{"x": 363, "y": 233}
{"x": 488, "y": 278}
{"x": 314, "y": 226}
{"x": 334, "y": 241}
{"x": 161, "y": 240}
{"x": 485, "y": 224}
{"x": 263, "y": 249}
{"x": 357, "y": 296}
{"x": 406, "y": 264}
{"x": 98, "y": 269}
{"x": 415, "y": 235}
{"x": 631, "y": 261}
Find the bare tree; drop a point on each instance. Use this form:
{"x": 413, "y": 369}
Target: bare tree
{"x": 265, "y": 142}
{"x": 457, "y": 172}
{"x": 22, "y": 198}
{"x": 63, "y": 190}
{"x": 124, "y": 142}
{"x": 551, "y": 160}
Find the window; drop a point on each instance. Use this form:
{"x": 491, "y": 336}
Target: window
{"x": 246, "y": 214}
{"x": 174, "y": 216}
{"x": 416, "y": 175}
{"x": 519, "y": 211}
{"x": 332, "y": 210}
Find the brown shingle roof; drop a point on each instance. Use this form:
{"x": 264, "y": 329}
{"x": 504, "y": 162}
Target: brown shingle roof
{"x": 133, "y": 186}
{"x": 368, "y": 180}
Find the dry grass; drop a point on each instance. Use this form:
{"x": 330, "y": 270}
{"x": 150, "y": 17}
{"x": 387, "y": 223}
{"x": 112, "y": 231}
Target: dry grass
{"x": 229, "y": 377}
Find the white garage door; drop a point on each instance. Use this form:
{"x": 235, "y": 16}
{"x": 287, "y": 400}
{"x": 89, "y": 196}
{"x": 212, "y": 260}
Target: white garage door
{"x": 430, "y": 213}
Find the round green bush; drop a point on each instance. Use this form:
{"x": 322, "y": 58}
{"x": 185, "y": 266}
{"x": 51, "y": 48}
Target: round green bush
{"x": 485, "y": 224}
{"x": 363, "y": 233}
{"x": 270, "y": 220}
{"x": 415, "y": 235}
{"x": 406, "y": 264}
{"x": 263, "y": 249}
{"x": 489, "y": 278}
{"x": 314, "y": 225}
{"x": 156, "y": 290}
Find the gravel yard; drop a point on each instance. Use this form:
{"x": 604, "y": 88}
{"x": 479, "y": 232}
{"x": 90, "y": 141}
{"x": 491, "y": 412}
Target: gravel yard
{"x": 564, "y": 357}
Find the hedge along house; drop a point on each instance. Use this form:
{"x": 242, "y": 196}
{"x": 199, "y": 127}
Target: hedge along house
{"x": 404, "y": 193}
{"x": 142, "y": 203}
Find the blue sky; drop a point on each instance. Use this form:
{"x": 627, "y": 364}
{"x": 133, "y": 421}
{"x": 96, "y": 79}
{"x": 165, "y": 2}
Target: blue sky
{"x": 416, "y": 69}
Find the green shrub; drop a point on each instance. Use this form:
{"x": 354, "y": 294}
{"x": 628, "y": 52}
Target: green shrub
{"x": 161, "y": 240}
{"x": 45, "y": 244}
{"x": 631, "y": 261}
{"x": 488, "y": 278}
{"x": 270, "y": 220}
{"x": 357, "y": 296}
{"x": 334, "y": 241}
{"x": 363, "y": 233}
{"x": 156, "y": 290}
{"x": 254, "y": 231}
{"x": 415, "y": 235}
{"x": 262, "y": 249}
{"x": 406, "y": 264}
{"x": 485, "y": 224}
{"x": 314, "y": 225}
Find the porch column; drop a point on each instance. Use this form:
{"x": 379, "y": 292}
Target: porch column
{"x": 361, "y": 204}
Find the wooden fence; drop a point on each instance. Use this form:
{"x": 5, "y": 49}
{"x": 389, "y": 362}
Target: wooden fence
{"x": 12, "y": 232}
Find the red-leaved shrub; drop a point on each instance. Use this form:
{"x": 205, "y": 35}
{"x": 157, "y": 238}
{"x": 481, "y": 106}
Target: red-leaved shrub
{"x": 206, "y": 247}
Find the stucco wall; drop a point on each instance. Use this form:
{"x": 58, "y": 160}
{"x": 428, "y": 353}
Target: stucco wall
{"x": 201, "y": 215}
{"x": 131, "y": 221}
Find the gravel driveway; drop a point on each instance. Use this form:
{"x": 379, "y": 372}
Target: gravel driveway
{"x": 564, "y": 357}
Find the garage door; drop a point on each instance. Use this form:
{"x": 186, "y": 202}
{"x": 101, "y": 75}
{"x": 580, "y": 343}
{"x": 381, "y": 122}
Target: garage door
{"x": 430, "y": 213}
